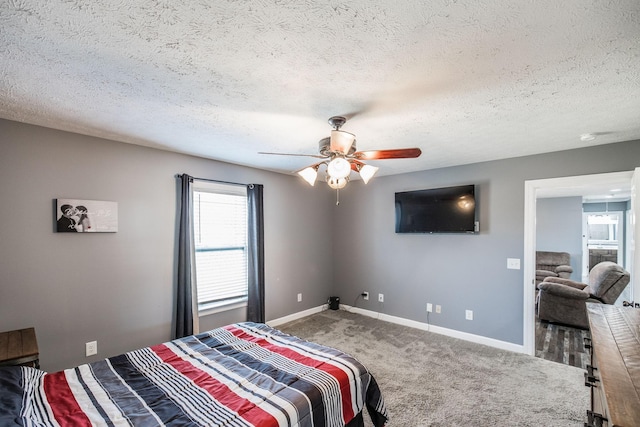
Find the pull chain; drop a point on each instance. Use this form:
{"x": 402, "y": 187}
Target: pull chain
{"x": 337, "y": 196}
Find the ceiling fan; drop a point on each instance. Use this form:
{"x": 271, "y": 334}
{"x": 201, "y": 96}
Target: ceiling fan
{"x": 340, "y": 157}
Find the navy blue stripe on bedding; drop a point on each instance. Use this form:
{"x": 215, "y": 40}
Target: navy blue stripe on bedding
{"x": 130, "y": 406}
{"x": 92, "y": 397}
{"x": 11, "y": 398}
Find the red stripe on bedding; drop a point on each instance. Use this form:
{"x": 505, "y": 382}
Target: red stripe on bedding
{"x": 219, "y": 391}
{"x": 288, "y": 352}
{"x": 65, "y": 408}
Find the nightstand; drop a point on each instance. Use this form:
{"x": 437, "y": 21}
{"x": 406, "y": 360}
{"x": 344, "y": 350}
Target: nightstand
{"x": 19, "y": 348}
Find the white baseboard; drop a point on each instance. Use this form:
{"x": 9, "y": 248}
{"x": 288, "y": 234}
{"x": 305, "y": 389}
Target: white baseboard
{"x": 296, "y": 316}
{"x": 478, "y": 339}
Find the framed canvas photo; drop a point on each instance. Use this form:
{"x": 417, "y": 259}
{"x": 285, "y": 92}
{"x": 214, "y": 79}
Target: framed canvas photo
{"x": 86, "y": 216}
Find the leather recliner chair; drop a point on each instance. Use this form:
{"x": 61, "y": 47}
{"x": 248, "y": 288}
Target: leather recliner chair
{"x": 564, "y": 300}
{"x": 552, "y": 264}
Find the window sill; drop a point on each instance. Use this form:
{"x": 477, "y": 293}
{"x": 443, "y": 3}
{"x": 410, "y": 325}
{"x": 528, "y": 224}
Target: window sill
{"x": 218, "y": 307}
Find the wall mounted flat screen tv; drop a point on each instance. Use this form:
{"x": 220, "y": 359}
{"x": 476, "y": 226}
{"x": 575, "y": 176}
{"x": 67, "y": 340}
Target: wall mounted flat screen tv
{"x": 437, "y": 210}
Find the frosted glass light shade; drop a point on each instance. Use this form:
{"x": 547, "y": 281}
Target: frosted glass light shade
{"x": 341, "y": 141}
{"x": 339, "y": 168}
{"x": 336, "y": 183}
{"x": 367, "y": 172}
{"x": 309, "y": 174}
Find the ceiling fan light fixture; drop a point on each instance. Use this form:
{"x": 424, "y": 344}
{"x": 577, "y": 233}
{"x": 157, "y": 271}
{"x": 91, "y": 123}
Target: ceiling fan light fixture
{"x": 367, "y": 172}
{"x": 340, "y": 156}
{"x": 339, "y": 167}
{"x": 309, "y": 174}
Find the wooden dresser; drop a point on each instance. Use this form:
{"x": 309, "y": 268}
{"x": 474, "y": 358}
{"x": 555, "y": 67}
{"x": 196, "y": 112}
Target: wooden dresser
{"x": 19, "y": 347}
{"x": 614, "y": 373}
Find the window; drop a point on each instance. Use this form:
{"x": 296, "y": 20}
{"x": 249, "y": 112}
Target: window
{"x": 220, "y": 241}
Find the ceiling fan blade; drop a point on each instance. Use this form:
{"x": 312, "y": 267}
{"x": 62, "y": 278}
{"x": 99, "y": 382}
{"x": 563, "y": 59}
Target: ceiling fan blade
{"x": 401, "y": 153}
{"x": 298, "y": 155}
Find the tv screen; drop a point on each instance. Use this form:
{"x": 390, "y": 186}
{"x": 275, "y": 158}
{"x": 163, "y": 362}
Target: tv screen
{"x": 437, "y": 210}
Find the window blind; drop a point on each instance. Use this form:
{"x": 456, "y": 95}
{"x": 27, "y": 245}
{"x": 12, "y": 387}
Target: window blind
{"x": 220, "y": 240}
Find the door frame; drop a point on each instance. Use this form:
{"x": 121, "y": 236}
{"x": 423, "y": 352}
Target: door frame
{"x": 552, "y": 187}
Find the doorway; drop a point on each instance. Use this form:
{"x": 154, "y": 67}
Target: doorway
{"x": 584, "y": 185}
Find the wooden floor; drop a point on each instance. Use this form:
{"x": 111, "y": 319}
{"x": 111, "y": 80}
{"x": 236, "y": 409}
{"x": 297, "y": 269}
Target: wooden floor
{"x": 561, "y": 343}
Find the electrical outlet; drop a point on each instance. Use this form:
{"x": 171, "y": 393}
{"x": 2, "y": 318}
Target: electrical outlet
{"x": 91, "y": 348}
{"x": 438, "y": 309}
{"x": 380, "y": 297}
{"x": 513, "y": 263}
{"x": 365, "y": 295}
{"x": 300, "y": 297}
{"x": 429, "y": 307}
{"x": 468, "y": 314}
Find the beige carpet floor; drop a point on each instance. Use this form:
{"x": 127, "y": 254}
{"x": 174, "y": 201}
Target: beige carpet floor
{"x": 429, "y": 379}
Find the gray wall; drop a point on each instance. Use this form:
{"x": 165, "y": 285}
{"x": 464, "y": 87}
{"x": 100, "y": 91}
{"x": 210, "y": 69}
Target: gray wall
{"x": 458, "y": 272}
{"x": 118, "y": 288}
{"x": 559, "y": 229}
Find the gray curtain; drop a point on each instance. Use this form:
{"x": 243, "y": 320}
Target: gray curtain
{"x": 184, "y": 304}
{"x": 255, "y": 305}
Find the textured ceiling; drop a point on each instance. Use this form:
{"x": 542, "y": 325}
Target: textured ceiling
{"x": 463, "y": 81}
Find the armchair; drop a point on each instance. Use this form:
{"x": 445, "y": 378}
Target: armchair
{"x": 552, "y": 264}
{"x": 564, "y": 301}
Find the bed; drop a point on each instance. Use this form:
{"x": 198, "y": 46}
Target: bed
{"x": 245, "y": 374}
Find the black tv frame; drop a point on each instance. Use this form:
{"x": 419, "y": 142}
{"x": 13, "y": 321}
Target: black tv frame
{"x": 445, "y": 210}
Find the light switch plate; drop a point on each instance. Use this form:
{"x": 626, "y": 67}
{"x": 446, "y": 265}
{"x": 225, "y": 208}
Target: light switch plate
{"x": 513, "y": 263}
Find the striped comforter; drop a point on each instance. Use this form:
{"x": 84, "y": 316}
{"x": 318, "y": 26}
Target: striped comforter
{"x": 246, "y": 374}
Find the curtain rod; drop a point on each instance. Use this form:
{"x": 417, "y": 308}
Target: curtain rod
{"x": 213, "y": 180}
